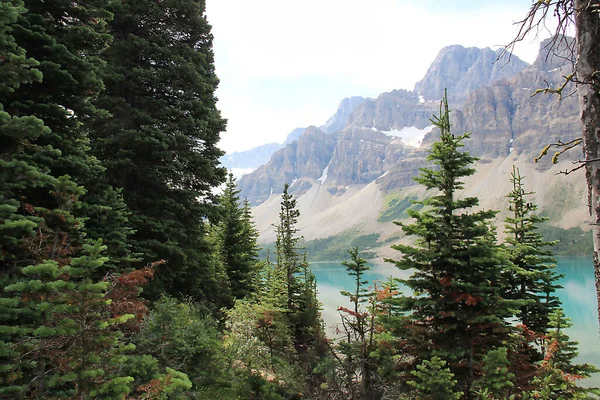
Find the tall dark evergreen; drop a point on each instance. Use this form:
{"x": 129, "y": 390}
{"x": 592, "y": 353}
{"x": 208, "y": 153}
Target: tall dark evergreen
{"x": 303, "y": 308}
{"x": 238, "y": 237}
{"x": 65, "y": 38}
{"x": 286, "y": 245}
{"x": 456, "y": 309}
{"x": 532, "y": 280}
{"x": 159, "y": 144}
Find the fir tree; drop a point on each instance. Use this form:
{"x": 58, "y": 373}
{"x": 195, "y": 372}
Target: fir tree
{"x": 286, "y": 244}
{"x": 434, "y": 381}
{"x": 557, "y": 374}
{"x": 159, "y": 145}
{"x": 64, "y": 38}
{"x": 456, "y": 303}
{"x": 531, "y": 280}
{"x": 359, "y": 329}
{"x": 237, "y": 236}
{"x": 302, "y": 306}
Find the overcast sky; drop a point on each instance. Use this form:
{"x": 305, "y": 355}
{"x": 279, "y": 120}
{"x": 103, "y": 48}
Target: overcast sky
{"x": 285, "y": 64}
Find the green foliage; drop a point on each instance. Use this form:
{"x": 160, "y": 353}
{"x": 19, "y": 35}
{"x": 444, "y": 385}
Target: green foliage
{"x": 557, "y": 376}
{"x": 397, "y": 208}
{"x": 433, "y": 381}
{"x": 336, "y": 247}
{"x": 237, "y": 240}
{"x": 568, "y": 242}
{"x": 159, "y": 143}
{"x": 456, "y": 310}
{"x": 180, "y": 337}
{"x": 531, "y": 279}
{"x": 497, "y": 381}
{"x": 65, "y": 343}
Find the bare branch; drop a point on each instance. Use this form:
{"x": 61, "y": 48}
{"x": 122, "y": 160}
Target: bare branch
{"x": 535, "y": 20}
{"x": 558, "y": 90}
{"x": 559, "y": 145}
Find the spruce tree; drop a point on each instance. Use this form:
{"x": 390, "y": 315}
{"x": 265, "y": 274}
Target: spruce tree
{"x": 358, "y": 326}
{"x": 64, "y": 39}
{"x": 456, "y": 309}
{"x": 531, "y": 280}
{"x": 286, "y": 245}
{"x": 303, "y": 309}
{"x": 159, "y": 144}
{"x": 237, "y": 236}
{"x": 557, "y": 374}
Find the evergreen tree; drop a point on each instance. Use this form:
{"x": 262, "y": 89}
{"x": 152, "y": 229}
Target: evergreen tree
{"x": 557, "y": 373}
{"x": 531, "y": 280}
{"x": 497, "y": 381}
{"x": 302, "y": 306}
{"x": 434, "y": 381}
{"x": 64, "y": 38}
{"x": 286, "y": 245}
{"x": 237, "y": 236}
{"x": 456, "y": 310}
{"x": 18, "y": 135}
{"x": 159, "y": 144}
{"x": 359, "y": 330}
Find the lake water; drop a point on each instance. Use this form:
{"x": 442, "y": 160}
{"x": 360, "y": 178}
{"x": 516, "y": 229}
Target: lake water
{"x": 578, "y": 297}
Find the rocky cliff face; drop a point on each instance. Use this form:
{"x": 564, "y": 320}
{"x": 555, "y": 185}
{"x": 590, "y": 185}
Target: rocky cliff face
{"x": 393, "y": 111}
{"x": 462, "y": 70}
{"x": 362, "y": 155}
{"x": 341, "y": 118}
{"x": 504, "y": 118}
{"x": 305, "y": 158}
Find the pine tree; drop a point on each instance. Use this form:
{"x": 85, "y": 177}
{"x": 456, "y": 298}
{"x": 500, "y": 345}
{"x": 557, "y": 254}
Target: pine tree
{"x": 302, "y": 306}
{"x": 496, "y": 381}
{"x": 237, "y": 236}
{"x": 435, "y": 381}
{"x": 159, "y": 144}
{"x": 18, "y": 135}
{"x": 63, "y": 40}
{"x": 359, "y": 329}
{"x": 557, "y": 373}
{"x": 286, "y": 245}
{"x": 531, "y": 280}
{"x": 456, "y": 304}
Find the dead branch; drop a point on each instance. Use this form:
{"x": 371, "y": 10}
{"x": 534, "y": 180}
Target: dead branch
{"x": 563, "y": 146}
{"x": 558, "y": 90}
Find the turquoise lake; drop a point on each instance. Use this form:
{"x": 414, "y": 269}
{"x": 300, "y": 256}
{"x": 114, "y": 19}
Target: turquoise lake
{"x": 578, "y": 297}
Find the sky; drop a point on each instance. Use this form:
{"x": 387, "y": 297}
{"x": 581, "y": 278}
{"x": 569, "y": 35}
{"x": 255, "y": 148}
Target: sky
{"x": 284, "y": 64}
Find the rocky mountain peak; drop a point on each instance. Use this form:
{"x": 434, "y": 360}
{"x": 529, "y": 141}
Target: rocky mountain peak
{"x": 464, "y": 69}
{"x": 340, "y": 119}
{"x": 556, "y": 53}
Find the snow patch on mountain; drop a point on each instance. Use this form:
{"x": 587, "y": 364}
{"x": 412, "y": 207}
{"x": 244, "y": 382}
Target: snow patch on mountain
{"x": 324, "y": 175}
{"x": 410, "y": 135}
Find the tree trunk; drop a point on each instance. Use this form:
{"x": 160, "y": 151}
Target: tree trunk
{"x": 587, "y": 25}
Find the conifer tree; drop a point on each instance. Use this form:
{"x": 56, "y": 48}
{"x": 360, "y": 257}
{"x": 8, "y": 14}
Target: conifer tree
{"x": 434, "y": 381}
{"x": 456, "y": 307}
{"x": 63, "y": 39}
{"x": 359, "y": 329}
{"x": 237, "y": 236}
{"x": 159, "y": 144}
{"x": 302, "y": 306}
{"x": 557, "y": 376}
{"x": 286, "y": 244}
{"x": 531, "y": 280}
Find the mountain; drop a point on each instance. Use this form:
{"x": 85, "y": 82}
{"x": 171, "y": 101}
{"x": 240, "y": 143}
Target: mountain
{"x": 246, "y": 161}
{"x": 341, "y": 118}
{"x": 462, "y": 70}
{"x": 250, "y": 159}
{"x": 355, "y": 181}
